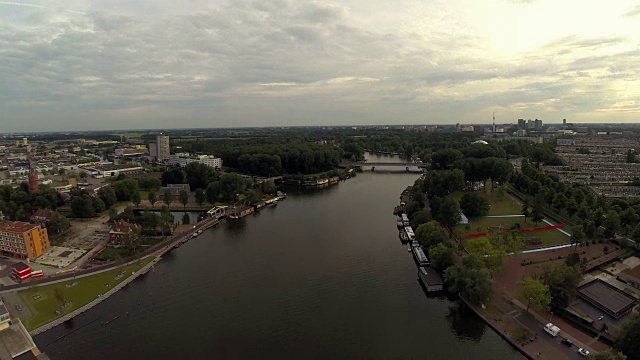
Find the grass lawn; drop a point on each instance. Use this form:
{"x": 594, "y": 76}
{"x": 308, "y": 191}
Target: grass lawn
{"x": 499, "y": 205}
{"x": 44, "y": 301}
{"x": 144, "y": 194}
{"x": 547, "y": 237}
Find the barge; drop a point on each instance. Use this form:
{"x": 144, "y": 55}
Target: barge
{"x": 419, "y": 256}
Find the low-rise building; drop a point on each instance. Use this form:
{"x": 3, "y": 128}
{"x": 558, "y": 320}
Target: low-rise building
{"x": 630, "y": 276}
{"x": 23, "y": 240}
{"x": 174, "y": 189}
{"x": 184, "y": 159}
{"x": 122, "y": 233}
{"x": 42, "y": 217}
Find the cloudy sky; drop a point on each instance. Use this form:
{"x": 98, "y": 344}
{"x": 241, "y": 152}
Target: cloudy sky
{"x": 117, "y": 64}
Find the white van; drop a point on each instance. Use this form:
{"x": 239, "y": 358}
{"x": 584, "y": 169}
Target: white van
{"x": 552, "y": 329}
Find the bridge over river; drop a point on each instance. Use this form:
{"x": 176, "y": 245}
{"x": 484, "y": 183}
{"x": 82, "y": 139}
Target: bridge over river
{"x": 408, "y": 166}
{"x": 373, "y": 164}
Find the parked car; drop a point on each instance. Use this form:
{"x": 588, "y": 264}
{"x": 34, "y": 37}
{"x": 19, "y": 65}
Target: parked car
{"x": 567, "y": 342}
{"x": 583, "y": 352}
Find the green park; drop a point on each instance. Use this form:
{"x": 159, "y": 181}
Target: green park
{"x": 500, "y": 216}
{"x": 50, "y": 302}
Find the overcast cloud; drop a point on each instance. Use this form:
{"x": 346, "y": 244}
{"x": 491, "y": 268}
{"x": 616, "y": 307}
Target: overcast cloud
{"x": 112, "y": 64}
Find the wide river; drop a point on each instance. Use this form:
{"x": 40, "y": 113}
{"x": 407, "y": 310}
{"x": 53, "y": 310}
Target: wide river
{"x": 322, "y": 275}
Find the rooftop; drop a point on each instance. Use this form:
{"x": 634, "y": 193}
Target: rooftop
{"x": 607, "y": 297}
{"x": 430, "y": 276}
{"x": 44, "y": 213}
{"x": 634, "y": 272}
{"x": 16, "y": 226}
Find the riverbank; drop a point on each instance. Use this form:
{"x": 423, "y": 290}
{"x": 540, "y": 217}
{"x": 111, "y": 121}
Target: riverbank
{"x": 97, "y": 301}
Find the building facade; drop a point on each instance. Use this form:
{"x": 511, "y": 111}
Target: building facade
{"x": 23, "y": 240}
{"x": 162, "y": 147}
{"x": 122, "y": 233}
{"x": 184, "y": 159}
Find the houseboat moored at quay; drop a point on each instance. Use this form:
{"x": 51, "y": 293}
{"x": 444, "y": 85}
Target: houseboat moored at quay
{"x": 242, "y": 212}
{"x": 403, "y": 236}
{"x": 431, "y": 280}
{"x": 419, "y": 256}
{"x": 410, "y": 235}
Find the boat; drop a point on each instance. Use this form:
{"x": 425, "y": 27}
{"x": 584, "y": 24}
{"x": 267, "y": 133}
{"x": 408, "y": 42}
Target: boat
{"x": 431, "y": 280}
{"x": 419, "y": 256}
{"x": 397, "y": 210}
{"x": 409, "y": 249}
{"x": 199, "y": 232}
{"x": 272, "y": 201}
{"x": 399, "y": 223}
{"x": 281, "y": 195}
{"x": 403, "y": 236}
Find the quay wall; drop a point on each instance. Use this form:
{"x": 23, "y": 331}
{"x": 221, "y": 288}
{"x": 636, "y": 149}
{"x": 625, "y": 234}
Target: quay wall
{"x": 498, "y": 331}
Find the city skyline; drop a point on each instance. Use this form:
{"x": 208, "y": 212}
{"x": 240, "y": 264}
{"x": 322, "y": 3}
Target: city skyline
{"x": 140, "y": 65}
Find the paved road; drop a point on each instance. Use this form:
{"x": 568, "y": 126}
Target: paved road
{"x": 545, "y": 347}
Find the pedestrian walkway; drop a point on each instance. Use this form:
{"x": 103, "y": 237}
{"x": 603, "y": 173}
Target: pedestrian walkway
{"x": 543, "y": 346}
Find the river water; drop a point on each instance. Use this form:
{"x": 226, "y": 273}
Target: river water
{"x": 321, "y": 275}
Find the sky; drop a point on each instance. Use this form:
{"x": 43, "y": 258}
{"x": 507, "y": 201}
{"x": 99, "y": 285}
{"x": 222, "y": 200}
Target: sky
{"x": 136, "y": 64}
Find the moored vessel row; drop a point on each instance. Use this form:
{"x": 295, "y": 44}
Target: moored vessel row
{"x": 427, "y": 275}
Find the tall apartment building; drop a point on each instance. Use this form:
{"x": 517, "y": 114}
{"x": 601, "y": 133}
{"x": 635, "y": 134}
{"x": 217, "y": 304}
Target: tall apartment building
{"x": 162, "y": 147}
{"x": 23, "y": 240}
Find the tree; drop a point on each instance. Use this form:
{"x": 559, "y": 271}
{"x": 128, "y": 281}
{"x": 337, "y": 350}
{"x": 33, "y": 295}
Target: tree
{"x": 147, "y": 182}
{"x": 136, "y": 198}
{"x": 184, "y": 197}
{"x": 82, "y": 207}
{"x": 535, "y": 293}
{"x": 441, "y": 256}
{"x": 449, "y": 212}
{"x": 113, "y": 213}
{"x": 492, "y": 255}
{"x": 200, "y": 197}
{"x": 430, "y": 234}
{"x": 628, "y": 338}
{"x": 108, "y": 195}
{"x": 212, "y": 192}
{"x": 58, "y": 223}
{"x": 562, "y": 281}
{"x": 125, "y": 189}
{"x": 152, "y": 197}
{"x": 419, "y": 218}
{"x": 186, "y": 219}
{"x": 474, "y": 204}
{"x": 606, "y": 356}
{"x": 199, "y": 175}
{"x": 577, "y": 235}
{"x": 537, "y": 213}
{"x": 98, "y": 205}
{"x": 525, "y": 208}
{"x": 469, "y": 279}
{"x": 167, "y": 198}
{"x": 611, "y": 224}
{"x": 173, "y": 176}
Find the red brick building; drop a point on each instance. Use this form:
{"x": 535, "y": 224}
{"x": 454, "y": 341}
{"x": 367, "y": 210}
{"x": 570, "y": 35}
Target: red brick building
{"x": 122, "y": 233}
